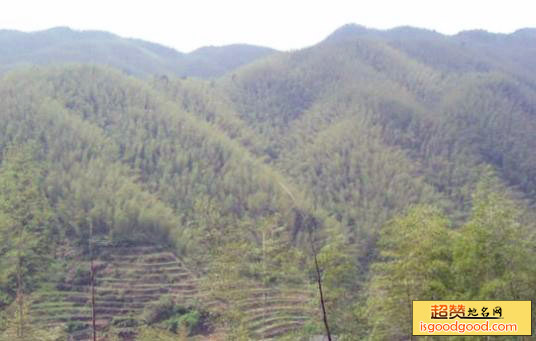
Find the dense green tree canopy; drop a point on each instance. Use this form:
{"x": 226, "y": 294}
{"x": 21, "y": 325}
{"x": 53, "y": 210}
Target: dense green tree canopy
{"x": 403, "y": 159}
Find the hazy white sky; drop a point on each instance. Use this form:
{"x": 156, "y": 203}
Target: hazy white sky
{"x": 188, "y": 24}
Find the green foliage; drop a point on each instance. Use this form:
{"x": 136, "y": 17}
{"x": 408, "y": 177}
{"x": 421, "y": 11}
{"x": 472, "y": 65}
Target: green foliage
{"x": 74, "y": 326}
{"x": 415, "y": 252}
{"x": 190, "y": 320}
{"x": 254, "y": 261}
{"x": 374, "y": 141}
{"x": 10, "y": 330}
{"x": 492, "y": 250}
{"x": 175, "y": 318}
{"x": 421, "y": 259}
{"x": 159, "y": 311}
{"x": 156, "y": 334}
{"x": 80, "y": 275}
{"x": 26, "y": 222}
{"x": 341, "y": 282}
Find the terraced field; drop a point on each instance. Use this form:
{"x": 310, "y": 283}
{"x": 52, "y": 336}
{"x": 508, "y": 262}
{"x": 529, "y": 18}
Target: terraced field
{"x": 130, "y": 278}
{"x": 282, "y": 312}
{"x": 127, "y": 279}
{"x": 271, "y": 312}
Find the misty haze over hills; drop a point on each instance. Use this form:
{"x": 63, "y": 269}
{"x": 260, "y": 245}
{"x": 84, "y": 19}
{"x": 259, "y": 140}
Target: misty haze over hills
{"x": 63, "y": 45}
{"x": 138, "y": 57}
{"x": 204, "y": 195}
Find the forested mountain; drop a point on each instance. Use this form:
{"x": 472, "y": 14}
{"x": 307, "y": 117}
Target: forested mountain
{"x": 62, "y": 45}
{"x": 475, "y": 50}
{"x": 403, "y": 162}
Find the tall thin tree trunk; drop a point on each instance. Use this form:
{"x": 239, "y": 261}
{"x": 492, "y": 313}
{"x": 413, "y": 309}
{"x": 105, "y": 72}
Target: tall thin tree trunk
{"x": 92, "y": 279}
{"x": 322, "y": 303}
{"x": 264, "y": 277}
{"x": 20, "y": 292}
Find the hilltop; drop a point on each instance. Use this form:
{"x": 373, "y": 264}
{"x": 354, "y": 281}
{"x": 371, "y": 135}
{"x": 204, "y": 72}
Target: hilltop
{"x": 61, "y": 45}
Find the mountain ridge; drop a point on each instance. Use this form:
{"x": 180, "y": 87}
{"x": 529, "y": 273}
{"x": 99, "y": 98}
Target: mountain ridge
{"x": 134, "y": 56}
{"x": 348, "y": 155}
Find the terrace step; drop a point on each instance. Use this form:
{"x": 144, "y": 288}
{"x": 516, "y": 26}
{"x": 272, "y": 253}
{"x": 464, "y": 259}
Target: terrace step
{"x": 128, "y": 278}
{"x": 278, "y": 329}
{"x": 276, "y": 319}
{"x": 252, "y": 303}
{"x": 259, "y": 314}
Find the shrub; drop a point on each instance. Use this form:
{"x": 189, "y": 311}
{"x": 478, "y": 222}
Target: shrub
{"x": 73, "y": 326}
{"x": 159, "y": 311}
{"x": 190, "y": 319}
